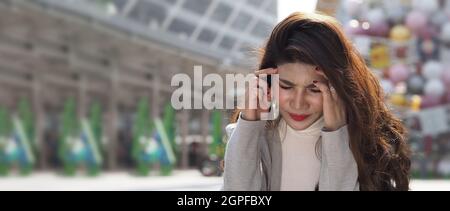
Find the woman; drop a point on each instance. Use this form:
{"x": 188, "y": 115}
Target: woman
{"x": 334, "y": 131}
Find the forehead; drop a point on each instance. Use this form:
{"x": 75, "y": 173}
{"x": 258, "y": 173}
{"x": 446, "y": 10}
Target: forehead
{"x": 298, "y": 72}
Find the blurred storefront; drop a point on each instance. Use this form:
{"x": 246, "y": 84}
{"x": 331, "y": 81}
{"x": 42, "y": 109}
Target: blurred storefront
{"x": 92, "y": 76}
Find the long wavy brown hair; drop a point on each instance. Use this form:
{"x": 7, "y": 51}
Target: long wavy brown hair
{"x": 377, "y": 138}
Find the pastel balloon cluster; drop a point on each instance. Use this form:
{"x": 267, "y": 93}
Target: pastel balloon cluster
{"x": 401, "y": 24}
{"x": 432, "y": 83}
{"x": 424, "y": 19}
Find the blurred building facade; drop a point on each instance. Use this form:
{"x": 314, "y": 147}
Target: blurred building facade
{"x": 117, "y": 52}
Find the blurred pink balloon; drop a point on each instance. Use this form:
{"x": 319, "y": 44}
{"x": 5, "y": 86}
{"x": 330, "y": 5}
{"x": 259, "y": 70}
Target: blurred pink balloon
{"x": 427, "y": 32}
{"x": 379, "y": 29}
{"x": 429, "y": 101}
{"x": 416, "y": 21}
{"x": 398, "y": 73}
{"x": 446, "y": 79}
{"x": 447, "y": 97}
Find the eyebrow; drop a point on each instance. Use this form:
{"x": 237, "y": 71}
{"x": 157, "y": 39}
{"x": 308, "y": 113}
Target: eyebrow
{"x": 311, "y": 86}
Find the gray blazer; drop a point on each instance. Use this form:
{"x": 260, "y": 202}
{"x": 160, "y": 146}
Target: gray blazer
{"x": 253, "y": 159}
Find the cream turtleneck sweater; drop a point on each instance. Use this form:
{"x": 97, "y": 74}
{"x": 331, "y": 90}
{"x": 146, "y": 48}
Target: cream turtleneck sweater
{"x": 300, "y": 164}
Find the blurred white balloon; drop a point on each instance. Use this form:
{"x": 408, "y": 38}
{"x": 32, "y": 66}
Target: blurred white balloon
{"x": 353, "y": 7}
{"x": 427, "y": 6}
{"x": 396, "y": 13}
{"x": 435, "y": 87}
{"x": 432, "y": 70}
{"x": 376, "y": 16}
{"x": 388, "y": 86}
{"x": 445, "y": 33}
{"x": 447, "y": 7}
{"x": 440, "y": 18}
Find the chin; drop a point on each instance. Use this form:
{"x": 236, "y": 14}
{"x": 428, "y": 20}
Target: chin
{"x": 299, "y": 125}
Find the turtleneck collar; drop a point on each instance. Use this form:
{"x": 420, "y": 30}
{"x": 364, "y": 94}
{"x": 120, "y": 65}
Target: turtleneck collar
{"x": 313, "y": 130}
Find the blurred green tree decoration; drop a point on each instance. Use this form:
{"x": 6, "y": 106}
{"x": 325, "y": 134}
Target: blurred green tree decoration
{"x": 95, "y": 123}
{"x": 142, "y": 128}
{"x": 166, "y": 155}
{"x": 217, "y": 147}
{"x": 169, "y": 126}
{"x": 5, "y": 132}
{"x": 29, "y": 146}
{"x": 70, "y": 132}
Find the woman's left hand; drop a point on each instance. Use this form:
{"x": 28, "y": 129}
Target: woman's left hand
{"x": 333, "y": 107}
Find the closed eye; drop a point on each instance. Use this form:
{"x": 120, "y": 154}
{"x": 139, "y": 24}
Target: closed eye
{"x": 286, "y": 84}
{"x": 285, "y": 87}
{"x": 315, "y": 90}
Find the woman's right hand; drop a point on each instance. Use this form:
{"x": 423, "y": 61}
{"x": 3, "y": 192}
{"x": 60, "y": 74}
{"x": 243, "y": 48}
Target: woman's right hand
{"x": 253, "y": 93}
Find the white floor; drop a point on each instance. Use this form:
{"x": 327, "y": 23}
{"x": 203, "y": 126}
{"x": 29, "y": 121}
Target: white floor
{"x": 430, "y": 185}
{"x": 190, "y": 180}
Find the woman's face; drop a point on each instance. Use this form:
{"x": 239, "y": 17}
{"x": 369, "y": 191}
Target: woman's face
{"x": 300, "y": 100}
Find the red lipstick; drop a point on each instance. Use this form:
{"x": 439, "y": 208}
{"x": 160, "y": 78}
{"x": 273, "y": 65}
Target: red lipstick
{"x": 298, "y": 118}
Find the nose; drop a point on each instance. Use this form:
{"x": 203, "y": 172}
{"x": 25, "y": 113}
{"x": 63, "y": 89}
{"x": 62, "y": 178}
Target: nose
{"x": 299, "y": 101}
